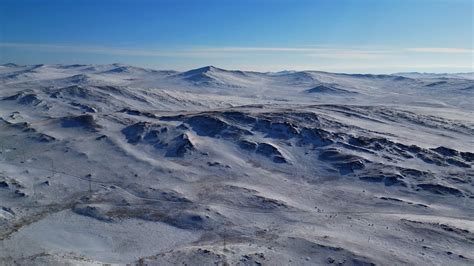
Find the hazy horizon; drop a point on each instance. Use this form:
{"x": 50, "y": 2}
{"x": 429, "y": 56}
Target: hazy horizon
{"x": 245, "y": 70}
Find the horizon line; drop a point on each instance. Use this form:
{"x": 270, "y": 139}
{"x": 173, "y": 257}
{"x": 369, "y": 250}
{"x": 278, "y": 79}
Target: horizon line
{"x": 118, "y": 64}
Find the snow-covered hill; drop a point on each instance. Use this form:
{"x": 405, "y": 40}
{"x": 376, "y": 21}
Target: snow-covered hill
{"x": 120, "y": 164}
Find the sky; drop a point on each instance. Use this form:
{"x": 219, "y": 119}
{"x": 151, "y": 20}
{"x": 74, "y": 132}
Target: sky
{"x": 352, "y": 36}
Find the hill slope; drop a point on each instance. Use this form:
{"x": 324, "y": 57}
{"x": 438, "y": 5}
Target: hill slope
{"x": 116, "y": 164}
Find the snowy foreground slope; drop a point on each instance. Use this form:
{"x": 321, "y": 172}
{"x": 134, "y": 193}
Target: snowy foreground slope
{"x": 119, "y": 164}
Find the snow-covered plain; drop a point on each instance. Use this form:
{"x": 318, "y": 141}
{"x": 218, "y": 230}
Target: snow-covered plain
{"x": 119, "y": 164}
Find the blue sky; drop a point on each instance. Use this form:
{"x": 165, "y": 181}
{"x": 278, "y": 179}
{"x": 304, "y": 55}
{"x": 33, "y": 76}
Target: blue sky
{"x": 379, "y": 36}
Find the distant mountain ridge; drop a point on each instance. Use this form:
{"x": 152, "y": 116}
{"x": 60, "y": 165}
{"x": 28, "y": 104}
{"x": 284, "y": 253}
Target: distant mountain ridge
{"x": 212, "y": 79}
{"x": 211, "y": 68}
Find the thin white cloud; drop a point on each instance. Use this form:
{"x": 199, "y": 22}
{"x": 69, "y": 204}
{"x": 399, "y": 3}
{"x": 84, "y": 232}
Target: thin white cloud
{"x": 440, "y": 50}
{"x": 204, "y": 51}
{"x": 330, "y": 53}
{"x": 350, "y": 54}
{"x": 258, "y": 49}
{"x": 90, "y": 49}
